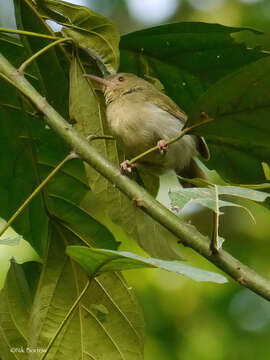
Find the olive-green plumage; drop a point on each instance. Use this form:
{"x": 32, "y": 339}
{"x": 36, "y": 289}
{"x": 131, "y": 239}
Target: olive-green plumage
{"x": 139, "y": 115}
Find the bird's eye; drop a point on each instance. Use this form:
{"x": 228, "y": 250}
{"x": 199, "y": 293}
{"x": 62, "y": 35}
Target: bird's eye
{"x": 121, "y": 78}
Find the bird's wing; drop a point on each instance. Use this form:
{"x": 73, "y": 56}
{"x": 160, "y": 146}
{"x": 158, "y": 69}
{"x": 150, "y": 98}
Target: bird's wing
{"x": 167, "y": 104}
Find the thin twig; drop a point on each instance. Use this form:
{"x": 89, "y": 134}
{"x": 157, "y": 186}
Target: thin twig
{"x": 28, "y": 33}
{"x": 214, "y": 245}
{"x": 36, "y": 191}
{"x": 170, "y": 141}
{"x": 40, "y": 52}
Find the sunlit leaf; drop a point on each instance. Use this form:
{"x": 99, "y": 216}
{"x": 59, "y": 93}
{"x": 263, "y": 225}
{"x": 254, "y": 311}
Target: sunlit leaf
{"x": 48, "y": 64}
{"x": 98, "y": 261}
{"x": 208, "y": 196}
{"x": 11, "y": 241}
{"x": 20, "y": 250}
{"x": 93, "y": 32}
{"x": 107, "y": 323}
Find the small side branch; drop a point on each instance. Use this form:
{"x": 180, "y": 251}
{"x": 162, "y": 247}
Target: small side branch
{"x": 40, "y": 52}
{"x": 28, "y": 33}
{"x": 36, "y": 191}
{"x": 170, "y": 141}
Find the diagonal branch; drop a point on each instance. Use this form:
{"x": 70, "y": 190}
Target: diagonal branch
{"x": 188, "y": 235}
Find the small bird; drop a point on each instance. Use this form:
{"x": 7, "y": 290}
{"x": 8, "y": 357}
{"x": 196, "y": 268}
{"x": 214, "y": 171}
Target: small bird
{"x": 140, "y": 117}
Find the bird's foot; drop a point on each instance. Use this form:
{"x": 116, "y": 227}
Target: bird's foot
{"x": 126, "y": 167}
{"x": 162, "y": 146}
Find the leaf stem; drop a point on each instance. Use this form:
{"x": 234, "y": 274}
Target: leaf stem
{"x": 170, "y": 141}
{"x": 40, "y": 52}
{"x": 214, "y": 245}
{"x": 28, "y": 33}
{"x": 73, "y": 307}
{"x": 37, "y": 190}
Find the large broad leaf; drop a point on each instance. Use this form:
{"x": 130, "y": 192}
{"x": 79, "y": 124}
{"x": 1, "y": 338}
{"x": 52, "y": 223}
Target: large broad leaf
{"x": 13, "y": 246}
{"x": 32, "y": 151}
{"x": 93, "y": 32}
{"x": 15, "y": 305}
{"x": 107, "y": 323}
{"x": 187, "y": 57}
{"x": 108, "y": 312}
{"x": 18, "y": 177}
{"x": 238, "y": 136}
{"x": 99, "y": 261}
{"x": 13, "y": 48}
{"x": 55, "y": 89}
{"x": 87, "y": 110}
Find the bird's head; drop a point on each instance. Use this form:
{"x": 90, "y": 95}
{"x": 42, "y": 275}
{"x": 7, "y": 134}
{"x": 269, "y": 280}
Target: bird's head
{"x": 116, "y": 85}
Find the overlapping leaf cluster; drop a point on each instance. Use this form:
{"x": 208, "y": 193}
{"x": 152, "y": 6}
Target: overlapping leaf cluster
{"x": 78, "y": 205}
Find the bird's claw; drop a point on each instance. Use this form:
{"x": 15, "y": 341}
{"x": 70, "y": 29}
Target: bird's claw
{"x": 162, "y": 146}
{"x": 126, "y": 167}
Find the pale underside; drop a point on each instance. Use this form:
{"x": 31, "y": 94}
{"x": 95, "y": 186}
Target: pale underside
{"x": 140, "y": 125}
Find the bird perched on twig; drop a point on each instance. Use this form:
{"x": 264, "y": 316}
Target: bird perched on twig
{"x": 140, "y": 117}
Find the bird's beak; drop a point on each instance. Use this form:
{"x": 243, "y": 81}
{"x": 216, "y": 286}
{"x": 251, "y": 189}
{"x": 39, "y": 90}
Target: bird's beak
{"x": 98, "y": 79}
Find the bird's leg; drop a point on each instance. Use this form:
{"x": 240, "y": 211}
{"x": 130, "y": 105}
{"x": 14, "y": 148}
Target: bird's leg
{"x": 126, "y": 167}
{"x": 162, "y": 146}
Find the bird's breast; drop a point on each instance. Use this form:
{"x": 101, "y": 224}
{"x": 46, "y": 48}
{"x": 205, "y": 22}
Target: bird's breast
{"x": 139, "y": 125}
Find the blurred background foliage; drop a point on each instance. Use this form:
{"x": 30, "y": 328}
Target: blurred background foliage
{"x": 187, "y": 320}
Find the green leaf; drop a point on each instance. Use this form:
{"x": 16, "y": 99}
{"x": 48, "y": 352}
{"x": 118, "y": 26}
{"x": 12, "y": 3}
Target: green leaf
{"x": 15, "y": 303}
{"x": 107, "y": 323}
{"x": 87, "y": 110}
{"x": 108, "y": 311}
{"x": 210, "y": 198}
{"x": 48, "y": 66}
{"x": 245, "y": 193}
{"x": 10, "y": 241}
{"x": 18, "y": 177}
{"x": 207, "y": 196}
{"x": 186, "y": 57}
{"x": 15, "y": 53}
{"x": 238, "y": 136}
{"x": 266, "y": 170}
{"x": 20, "y": 250}
{"x": 32, "y": 151}
{"x": 93, "y": 32}
{"x": 13, "y": 48}
{"x": 98, "y": 261}
{"x": 80, "y": 222}
{"x": 147, "y": 180}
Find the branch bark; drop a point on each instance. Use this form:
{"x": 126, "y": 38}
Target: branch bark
{"x": 187, "y": 234}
